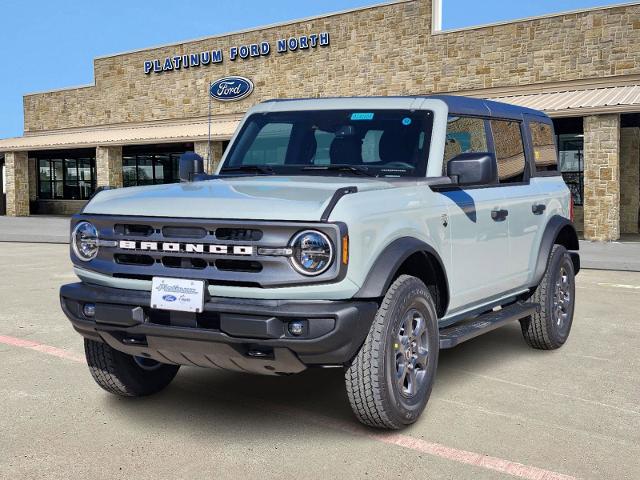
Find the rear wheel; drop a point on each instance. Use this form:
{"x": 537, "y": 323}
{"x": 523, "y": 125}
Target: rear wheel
{"x": 124, "y": 374}
{"x": 390, "y": 379}
{"x": 549, "y": 328}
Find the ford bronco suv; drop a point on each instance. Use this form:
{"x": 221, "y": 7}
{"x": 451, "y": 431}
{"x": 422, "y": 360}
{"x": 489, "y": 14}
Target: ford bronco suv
{"x": 359, "y": 233}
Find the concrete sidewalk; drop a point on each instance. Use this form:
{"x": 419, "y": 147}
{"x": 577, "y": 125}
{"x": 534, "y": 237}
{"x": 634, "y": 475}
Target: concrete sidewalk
{"x": 623, "y": 255}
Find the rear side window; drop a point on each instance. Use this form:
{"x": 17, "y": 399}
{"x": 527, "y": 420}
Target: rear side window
{"x": 544, "y": 147}
{"x": 507, "y": 139}
{"x": 464, "y": 134}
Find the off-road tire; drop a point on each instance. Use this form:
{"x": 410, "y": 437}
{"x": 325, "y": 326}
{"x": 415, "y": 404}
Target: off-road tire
{"x": 543, "y": 330}
{"x": 118, "y": 373}
{"x": 371, "y": 377}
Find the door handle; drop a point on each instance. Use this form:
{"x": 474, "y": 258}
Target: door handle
{"x": 499, "y": 215}
{"x": 538, "y": 209}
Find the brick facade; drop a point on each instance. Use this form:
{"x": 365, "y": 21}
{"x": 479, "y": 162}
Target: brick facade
{"x": 17, "y": 174}
{"x": 602, "y": 177}
{"x": 202, "y": 149}
{"x": 383, "y": 50}
{"x": 109, "y": 166}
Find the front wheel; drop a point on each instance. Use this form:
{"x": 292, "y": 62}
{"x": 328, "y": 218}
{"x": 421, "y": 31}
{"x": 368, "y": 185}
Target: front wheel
{"x": 390, "y": 379}
{"x": 125, "y": 375}
{"x": 549, "y": 328}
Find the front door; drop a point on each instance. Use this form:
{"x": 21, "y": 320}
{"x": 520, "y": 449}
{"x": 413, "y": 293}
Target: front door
{"x": 479, "y": 229}
{"x": 479, "y": 246}
{"x": 3, "y": 188}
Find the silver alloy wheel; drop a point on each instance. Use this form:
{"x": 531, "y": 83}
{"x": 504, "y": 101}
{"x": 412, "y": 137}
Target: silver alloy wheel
{"x": 411, "y": 353}
{"x": 147, "y": 363}
{"x": 562, "y": 298}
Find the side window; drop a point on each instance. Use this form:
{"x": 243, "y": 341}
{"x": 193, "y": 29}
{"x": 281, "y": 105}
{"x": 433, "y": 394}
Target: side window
{"x": 464, "y": 134}
{"x": 507, "y": 138}
{"x": 544, "y": 147}
{"x": 270, "y": 145}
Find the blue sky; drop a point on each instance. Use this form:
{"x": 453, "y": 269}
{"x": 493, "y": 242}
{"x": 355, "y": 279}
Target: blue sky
{"x": 49, "y": 44}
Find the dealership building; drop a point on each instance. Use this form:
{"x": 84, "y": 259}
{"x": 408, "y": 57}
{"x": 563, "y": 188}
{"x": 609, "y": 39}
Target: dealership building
{"x": 147, "y": 107}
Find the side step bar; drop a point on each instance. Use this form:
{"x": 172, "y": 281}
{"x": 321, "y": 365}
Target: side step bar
{"x": 468, "y": 329}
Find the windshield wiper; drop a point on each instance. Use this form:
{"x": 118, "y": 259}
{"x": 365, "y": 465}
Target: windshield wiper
{"x": 357, "y": 169}
{"x": 263, "y": 169}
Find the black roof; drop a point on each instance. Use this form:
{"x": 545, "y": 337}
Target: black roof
{"x": 478, "y": 106}
{"x": 457, "y": 104}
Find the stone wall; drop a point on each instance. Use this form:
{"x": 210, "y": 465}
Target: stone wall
{"x": 202, "y": 149}
{"x": 383, "y": 50}
{"x": 629, "y": 179}
{"x": 109, "y": 166}
{"x": 17, "y": 174}
{"x": 602, "y": 177}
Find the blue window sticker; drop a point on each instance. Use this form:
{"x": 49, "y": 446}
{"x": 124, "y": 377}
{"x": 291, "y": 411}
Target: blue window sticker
{"x": 406, "y": 121}
{"x": 362, "y": 116}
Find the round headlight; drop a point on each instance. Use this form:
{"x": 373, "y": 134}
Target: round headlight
{"x": 84, "y": 241}
{"x": 312, "y": 252}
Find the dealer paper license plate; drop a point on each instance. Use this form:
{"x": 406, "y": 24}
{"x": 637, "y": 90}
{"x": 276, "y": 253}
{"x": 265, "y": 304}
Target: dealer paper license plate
{"x": 177, "y": 294}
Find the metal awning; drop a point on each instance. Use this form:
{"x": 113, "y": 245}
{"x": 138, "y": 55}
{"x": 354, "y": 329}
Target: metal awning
{"x": 580, "y": 102}
{"x": 124, "y": 135}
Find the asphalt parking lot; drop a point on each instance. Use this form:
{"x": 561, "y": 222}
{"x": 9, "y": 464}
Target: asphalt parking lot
{"x": 498, "y": 409}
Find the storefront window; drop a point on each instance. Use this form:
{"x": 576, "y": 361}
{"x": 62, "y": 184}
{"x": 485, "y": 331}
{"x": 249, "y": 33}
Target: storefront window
{"x": 65, "y": 175}
{"x": 152, "y": 165}
{"x": 571, "y": 156}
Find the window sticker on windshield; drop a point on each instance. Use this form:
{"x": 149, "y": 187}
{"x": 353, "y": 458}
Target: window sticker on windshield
{"x": 362, "y": 116}
{"x": 406, "y": 121}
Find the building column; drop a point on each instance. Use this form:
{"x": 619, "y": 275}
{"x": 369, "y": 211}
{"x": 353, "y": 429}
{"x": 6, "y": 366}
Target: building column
{"x": 602, "y": 177}
{"x": 202, "y": 149}
{"x": 16, "y": 166}
{"x": 629, "y": 179}
{"x": 109, "y": 166}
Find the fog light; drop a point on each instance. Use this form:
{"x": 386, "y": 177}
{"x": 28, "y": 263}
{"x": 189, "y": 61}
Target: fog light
{"x": 89, "y": 310}
{"x": 296, "y": 328}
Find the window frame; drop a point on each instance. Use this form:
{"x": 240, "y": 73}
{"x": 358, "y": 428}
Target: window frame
{"x": 62, "y": 157}
{"x": 526, "y": 174}
{"x": 534, "y": 171}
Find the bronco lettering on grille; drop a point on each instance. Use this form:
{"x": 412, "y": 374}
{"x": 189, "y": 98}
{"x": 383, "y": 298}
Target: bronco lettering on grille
{"x": 186, "y": 247}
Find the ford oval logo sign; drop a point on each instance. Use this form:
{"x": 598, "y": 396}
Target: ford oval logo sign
{"x": 229, "y": 89}
{"x": 169, "y": 298}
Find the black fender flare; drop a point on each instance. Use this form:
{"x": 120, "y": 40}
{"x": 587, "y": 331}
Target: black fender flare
{"x": 556, "y": 227}
{"x": 389, "y": 261}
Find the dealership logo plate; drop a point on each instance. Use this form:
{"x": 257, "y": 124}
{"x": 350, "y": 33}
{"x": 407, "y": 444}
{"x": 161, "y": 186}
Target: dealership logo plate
{"x": 182, "y": 295}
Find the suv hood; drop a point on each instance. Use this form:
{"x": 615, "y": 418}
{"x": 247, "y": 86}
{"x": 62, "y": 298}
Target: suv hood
{"x": 298, "y": 198}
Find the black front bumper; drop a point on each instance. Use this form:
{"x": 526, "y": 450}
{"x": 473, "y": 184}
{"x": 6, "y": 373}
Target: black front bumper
{"x": 236, "y": 334}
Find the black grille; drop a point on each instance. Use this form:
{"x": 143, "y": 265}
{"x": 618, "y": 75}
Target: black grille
{"x": 238, "y": 265}
{"x": 184, "y": 232}
{"x": 132, "y": 259}
{"x": 239, "y": 234}
{"x": 184, "y": 262}
{"x": 133, "y": 230}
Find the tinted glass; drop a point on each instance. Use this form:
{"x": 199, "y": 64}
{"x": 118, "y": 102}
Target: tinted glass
{"x": 66, "y": 178}
{"x": 507, "y": 138}
{"x": 385, "y": 143}
{"x": 544, "y": 147}
{"x": 464, "y": 134}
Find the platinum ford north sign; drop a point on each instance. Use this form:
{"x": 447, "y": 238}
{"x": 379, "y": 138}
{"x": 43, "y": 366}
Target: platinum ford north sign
{"x": 243, "y": 52}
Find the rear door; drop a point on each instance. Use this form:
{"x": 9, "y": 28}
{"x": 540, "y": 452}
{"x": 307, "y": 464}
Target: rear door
{"x": 479, "y": 237}
{"x": 521, "y": 198}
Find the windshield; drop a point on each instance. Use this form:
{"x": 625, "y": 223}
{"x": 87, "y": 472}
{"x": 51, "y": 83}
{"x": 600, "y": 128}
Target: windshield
{"x": 378, "y": 143}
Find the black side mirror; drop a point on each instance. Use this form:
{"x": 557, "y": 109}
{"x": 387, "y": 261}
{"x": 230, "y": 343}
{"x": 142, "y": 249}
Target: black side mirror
{"x": 191, "y": 165}
{"x": 474, "y": 168}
